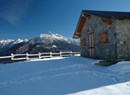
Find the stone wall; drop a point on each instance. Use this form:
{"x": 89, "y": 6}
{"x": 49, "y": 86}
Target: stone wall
{"x": 123, "y": 39}
{"x": 102, "y": 51}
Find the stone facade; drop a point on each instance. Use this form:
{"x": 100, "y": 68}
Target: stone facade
{"x": 123, "y": 39}
{"x": 118, "y": 45}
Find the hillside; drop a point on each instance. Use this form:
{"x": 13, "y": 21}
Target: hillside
{"x": 64, "y": 76}
{"x": 6, "y": 44}
{"x": 43, "y": 43}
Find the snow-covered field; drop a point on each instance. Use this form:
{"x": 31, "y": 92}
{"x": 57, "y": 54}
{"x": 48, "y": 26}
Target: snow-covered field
{"x": 64, "y": 76}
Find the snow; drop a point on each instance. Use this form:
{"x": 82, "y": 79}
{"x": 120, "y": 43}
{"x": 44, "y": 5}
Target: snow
{"x": 54, "y": 46}
{"x": 6, "y": 41}
{"x": 19, "y": 41}
{"x": 50, "y": 38}
{"x": 6, "y": 44}
{"x": 12, "y": 41}
{"x": 64, "y": 76}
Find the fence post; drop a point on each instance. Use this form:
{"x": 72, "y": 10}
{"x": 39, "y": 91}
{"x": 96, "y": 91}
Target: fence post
{"x": 60, "y": 54}
{"x": 71, "y": 53}
{"x": 39, "y": 55}
{"x": 12, "y": 56}
{"x": 27, "y": 58}
{"x": 50, "y": 54}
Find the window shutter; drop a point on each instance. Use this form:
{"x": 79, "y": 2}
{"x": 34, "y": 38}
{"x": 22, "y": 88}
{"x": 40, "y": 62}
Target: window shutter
{"x": 103, "y": 37}
{"x": 83, "y": 42}
{"x": 107, "y": 21}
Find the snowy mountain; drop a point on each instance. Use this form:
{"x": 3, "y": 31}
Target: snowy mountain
{"x": 51, "y": 38}
{"x": 43, "y": 43}
{"x": 6, "y": 44}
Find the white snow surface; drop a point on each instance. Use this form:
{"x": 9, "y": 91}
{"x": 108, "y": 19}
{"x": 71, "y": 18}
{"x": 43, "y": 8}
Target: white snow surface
{"x": 64, "y": 76}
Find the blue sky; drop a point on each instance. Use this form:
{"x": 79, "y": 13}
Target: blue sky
{"x": 30, "y": 18}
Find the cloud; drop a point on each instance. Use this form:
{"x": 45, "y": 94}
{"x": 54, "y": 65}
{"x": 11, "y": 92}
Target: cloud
{"x": 14, "y": 10}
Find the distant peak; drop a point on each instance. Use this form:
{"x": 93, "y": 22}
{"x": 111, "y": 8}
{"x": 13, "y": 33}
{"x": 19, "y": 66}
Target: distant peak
{"x": 51, "y": 35}
{"x": 6, "y": 41}
{"x": 20, "y": 40}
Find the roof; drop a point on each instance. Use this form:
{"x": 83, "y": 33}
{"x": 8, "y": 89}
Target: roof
{"x": 85, "y": 14}
{"x": 109, "y": 14}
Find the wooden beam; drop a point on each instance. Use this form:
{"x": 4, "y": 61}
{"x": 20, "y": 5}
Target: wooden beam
{"x": 83, "y": 18}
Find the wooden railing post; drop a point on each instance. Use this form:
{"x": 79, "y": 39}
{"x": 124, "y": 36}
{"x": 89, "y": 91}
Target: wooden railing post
{"x": 50, "y": 54}
{"x": 12, "y": 56}
{"x": 71, "y": 53}
{"x": 27, "y": 58}
{"x": 60, "y": 54}
{"x": 39, "y": 55}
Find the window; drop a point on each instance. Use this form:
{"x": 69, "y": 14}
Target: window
{"x": 107, "y": 21}
{"x": 103, "y": 37}
{"x": 83, "y": 42}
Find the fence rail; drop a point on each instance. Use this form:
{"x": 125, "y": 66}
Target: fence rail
{"x": 27, "y": 56}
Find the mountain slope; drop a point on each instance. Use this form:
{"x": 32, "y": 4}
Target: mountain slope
{"x": 6, "y": 44}
{"x": 43, "y": 43}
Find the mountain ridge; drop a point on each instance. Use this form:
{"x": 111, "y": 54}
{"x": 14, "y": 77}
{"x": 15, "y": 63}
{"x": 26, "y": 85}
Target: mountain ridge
{"x": 43, "y": 43}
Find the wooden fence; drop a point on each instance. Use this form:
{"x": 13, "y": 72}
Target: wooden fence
{"x": 27, "y": 56}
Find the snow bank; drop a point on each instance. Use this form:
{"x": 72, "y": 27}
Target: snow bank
{"x": 121, "y": 71}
